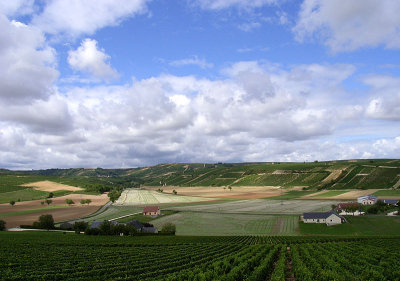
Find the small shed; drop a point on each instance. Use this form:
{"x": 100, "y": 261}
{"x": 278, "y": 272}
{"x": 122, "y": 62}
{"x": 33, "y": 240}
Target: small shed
{"x": 151, "y": 211}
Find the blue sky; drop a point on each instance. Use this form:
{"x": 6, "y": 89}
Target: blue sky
{"x": 131, "y": 83}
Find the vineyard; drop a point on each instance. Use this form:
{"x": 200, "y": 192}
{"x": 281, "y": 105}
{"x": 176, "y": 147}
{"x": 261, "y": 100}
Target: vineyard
{"x": 57, "y": 256}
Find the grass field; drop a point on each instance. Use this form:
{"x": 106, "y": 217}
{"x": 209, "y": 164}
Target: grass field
{"x": 387, "y": 193}
{"x": 331, "y": 193}
{"x": 356, "y": 226}
{"x": 26, "y": 194}
{"x": 214, "y": 224}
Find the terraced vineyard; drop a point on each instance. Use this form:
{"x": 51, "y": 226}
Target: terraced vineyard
{"x": 54, "y": 256}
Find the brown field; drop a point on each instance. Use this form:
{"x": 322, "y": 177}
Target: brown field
{"x": 50, "y": 186}
{"x": 237, "y": 192}
{"x": 61, "y": 214}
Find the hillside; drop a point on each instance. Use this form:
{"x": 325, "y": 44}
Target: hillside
{"x": 348, "y": 174}
{"x": 359, "y": 174}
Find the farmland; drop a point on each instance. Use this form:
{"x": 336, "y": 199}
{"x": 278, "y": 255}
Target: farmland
{"x": 37, "y": 256}
{"x": 132, "y": 197}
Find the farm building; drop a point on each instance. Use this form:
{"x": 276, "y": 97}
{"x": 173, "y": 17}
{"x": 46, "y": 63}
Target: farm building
{"x": 330, "y": 218}
{"x": 136, "y": 224}
{"x": 390, "y": 202}
{"x": 149, "y": 229}
{"x": 151, "y": 211}
{"x": 367, "y": 200}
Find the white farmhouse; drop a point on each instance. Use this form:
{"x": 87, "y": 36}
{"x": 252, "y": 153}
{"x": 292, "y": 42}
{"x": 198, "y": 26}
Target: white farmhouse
{"x": 367, "y": 200}
{"x": 330, "y": 218}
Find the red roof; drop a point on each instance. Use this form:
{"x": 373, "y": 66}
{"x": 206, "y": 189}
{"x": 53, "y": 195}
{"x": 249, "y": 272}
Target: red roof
{"x": 342, "y": 206}
{"x": 150, "y": 209}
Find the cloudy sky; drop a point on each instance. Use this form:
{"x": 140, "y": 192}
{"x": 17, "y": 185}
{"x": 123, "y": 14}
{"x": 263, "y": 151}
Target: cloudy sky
{"x": 127, "y": 83}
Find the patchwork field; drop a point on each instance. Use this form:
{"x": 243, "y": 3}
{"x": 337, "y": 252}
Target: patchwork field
{"x": 259, "y": 206}
{"x": 130, "y": 197}
{"x": 235, "y": 192}
{"x": 50, "y": 186}
{"x": 28, "y": 211}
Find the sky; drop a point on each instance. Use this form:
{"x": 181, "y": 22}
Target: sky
{"x": 131, "y": 83}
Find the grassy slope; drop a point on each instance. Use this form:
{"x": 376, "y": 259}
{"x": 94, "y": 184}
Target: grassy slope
{"x": 368, "y": 225}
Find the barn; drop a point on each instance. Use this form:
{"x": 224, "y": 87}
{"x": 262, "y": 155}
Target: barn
{"x": 151, "y": 211}
{"x": 329, "y": 218}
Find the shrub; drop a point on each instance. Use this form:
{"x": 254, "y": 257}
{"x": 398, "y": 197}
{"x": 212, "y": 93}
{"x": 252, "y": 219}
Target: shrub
{"x": 168, "y": 228}
{"x": 2, "y": 225}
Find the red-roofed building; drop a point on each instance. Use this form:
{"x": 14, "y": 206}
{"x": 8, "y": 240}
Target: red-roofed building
{"x": 348, "y": 206}
{"x": 151, "y": 211}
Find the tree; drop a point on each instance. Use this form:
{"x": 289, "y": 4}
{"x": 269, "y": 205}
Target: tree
{"x": 48, "y": 201}
{"x": 169, "y": 228}
{"x": 69, "y": 201}
{"x": 51, "y": 195}
{"x": 106, "y": 228}
{"x": 42, "y": 203}
{"x": 114, "y": 195}
{"x": 230, "y": 187}
{"x": 12, "y": 202}
{"x": 2, "y": 225}
{"x": 83, "y": 201}
{"x": 174, "y": 192}
{"x": 46, "y": 222}
{"x": 80, "y": 226}
{"x": 88, "y": 201}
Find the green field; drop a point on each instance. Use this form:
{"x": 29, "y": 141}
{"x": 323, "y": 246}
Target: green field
{"x": 26, "y": 194}
{"x": 57, "y": 256}
{"x": 214, "y": 224}
{"x": 356, "y": 226}
{"x": 331, "y": 193}
{"x": 387, "y": 193}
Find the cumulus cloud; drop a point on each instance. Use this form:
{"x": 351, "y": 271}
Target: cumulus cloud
{"x": 202, "y": 63}
{"x": 385, "y": 97}
{"x": 223, "y": 4}
{"x": 72, "y": 18}
{"x": 28, "y": 64}
{"x": 88, "y": 58}
{"x": 348, "y": 25}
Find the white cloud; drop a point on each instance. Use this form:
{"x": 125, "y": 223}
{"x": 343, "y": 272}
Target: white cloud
{"x": 202, "y": 63}
{"x": 28, "y": 64}
{"x": 223, "y": 4}
{"x": 76, "y": 17}
{"x": 88, "y": 58}
{"x": 16, "y": 7}
{"x": 345, "y": 25}
{"x": 385, "y": 97}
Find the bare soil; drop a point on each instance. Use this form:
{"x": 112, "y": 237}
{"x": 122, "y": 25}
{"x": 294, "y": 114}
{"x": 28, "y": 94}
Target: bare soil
{"x": 50, "y": 186}
{"x": 62, "y": 214}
